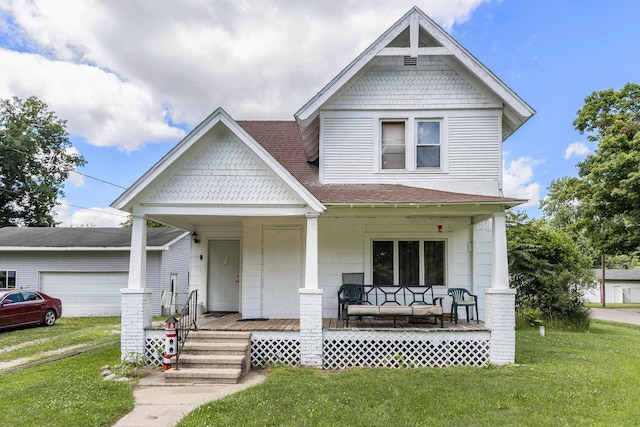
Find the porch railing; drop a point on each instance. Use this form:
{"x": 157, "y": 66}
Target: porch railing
{"x": 188, "y": 320}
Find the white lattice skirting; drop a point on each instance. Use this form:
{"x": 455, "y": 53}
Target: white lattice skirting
{"x": 153, "y": 347}
{"x": 347, "y": 349}
{"x": 279, "y": 348}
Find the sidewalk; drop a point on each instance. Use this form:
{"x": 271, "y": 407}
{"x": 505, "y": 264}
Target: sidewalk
{"x": 162, "y": 405}
{"x": 622, "y": 315}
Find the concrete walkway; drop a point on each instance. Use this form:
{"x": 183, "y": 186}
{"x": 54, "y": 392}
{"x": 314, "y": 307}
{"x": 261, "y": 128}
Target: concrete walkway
{"x": 622, "y": 315}
{"x": 162, "y": 405}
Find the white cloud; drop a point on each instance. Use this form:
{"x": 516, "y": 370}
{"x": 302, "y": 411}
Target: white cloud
{"x": 517, "y": 176}
{"x": 93, "y": 217}
{"x": 97, "y": 104}
{"x": 578, "y": 149}
{"x": 122, "y": 72}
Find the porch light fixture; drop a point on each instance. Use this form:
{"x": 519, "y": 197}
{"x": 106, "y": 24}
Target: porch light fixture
{"x": 439, "y": 228}
{"x": 195, "y": 237}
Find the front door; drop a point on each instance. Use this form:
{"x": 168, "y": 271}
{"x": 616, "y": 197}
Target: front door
{"x": 223, "y": 291}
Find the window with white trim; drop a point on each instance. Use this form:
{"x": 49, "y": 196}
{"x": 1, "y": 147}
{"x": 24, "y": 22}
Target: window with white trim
{"x": 7, "y": 279}
{"x": 418, "y": 150}
{"x": 427, "y": 144}
{"x": 408, "y": 262}
{"x": 393, "y": 145}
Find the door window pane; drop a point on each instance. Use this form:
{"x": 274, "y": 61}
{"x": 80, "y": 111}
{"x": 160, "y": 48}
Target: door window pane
{"x": 434, "y": 263}
{"x": 409, "y": 263}
{"x": 383, "y": 263}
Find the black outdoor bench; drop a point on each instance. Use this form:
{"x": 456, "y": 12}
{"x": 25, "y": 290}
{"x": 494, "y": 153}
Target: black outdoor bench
{"x": 388, "y": 300}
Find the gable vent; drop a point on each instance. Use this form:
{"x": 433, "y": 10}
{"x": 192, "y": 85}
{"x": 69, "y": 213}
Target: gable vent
{"x": 409, "y": 60}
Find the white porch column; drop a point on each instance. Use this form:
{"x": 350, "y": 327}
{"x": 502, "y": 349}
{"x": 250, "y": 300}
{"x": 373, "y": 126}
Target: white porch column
{"x": 500, "y": 299}
{"x": 136, "y": 299}
{"x": 311, "y": 301}
{"x": 311, "y": 253}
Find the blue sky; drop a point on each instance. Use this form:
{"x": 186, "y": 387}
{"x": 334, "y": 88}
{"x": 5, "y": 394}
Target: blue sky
{"x": 131, "y": 78}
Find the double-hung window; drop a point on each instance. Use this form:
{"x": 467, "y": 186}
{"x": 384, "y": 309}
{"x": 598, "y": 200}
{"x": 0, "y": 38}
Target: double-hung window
{"x": 7, "y": 279}
{"x": 417, "y": 150}
{"x": 427, "y": 144}
{"x": 408, "y": 262}
{"x": 393, "y": 146}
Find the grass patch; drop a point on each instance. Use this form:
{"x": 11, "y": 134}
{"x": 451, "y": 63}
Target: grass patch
{"x": 68, "y": 392}
{"x": 34, "y": 343}
{"x": 557, "y": 380}
{"x": 610, "y": 305}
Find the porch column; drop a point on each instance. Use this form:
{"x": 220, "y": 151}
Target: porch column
{"x": 311, "y": 253}
{"x": 136, "y": 299}
{"x": 311, "y": 301}
{"x": 500, "y": 299}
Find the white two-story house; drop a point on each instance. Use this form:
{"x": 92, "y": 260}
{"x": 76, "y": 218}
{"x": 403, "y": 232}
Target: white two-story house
{"x": 392, "y": 171}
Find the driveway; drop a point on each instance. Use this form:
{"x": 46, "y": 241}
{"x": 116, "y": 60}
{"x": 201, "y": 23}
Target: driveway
{"x": 622, "y": 315}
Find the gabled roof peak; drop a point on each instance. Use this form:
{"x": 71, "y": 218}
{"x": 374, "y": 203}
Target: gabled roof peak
{"x": 413, "y": 35}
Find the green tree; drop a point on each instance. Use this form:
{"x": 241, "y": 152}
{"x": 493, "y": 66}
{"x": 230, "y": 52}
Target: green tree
{"x": 150, "y": 223}
{"x": 549, "y": 271}
{"x": 609, "y": 179}
{"x": 34, "y": 162}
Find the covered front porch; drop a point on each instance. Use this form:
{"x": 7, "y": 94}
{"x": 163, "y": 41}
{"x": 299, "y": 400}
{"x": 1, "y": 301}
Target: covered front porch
{"x": 367, "y": 342}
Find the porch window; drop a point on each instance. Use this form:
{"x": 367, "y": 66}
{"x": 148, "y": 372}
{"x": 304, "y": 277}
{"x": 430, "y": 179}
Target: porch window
{"x": 408, "y": 262}
{"x": 7, "y": 279}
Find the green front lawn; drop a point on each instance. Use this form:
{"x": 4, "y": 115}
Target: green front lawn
{"x": 36, "y": 343}
{"x": 562, "y": 379}
{"x": 68, "y": 392}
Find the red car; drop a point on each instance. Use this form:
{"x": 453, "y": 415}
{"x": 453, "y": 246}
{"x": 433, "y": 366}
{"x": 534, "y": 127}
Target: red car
{"x": 22, "y": 307}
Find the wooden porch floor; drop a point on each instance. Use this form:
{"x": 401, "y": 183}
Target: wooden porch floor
{"x": 234, "y": 322}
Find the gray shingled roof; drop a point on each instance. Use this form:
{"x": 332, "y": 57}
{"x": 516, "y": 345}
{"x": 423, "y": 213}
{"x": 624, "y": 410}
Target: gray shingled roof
{"x": 98, "y": 237}
{"x": 619, "y": 274}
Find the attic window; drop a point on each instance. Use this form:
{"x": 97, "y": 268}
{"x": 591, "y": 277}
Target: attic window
{"x": 410, "y": 60}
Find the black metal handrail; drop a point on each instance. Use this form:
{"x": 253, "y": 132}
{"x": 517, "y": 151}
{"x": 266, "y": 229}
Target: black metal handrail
{"x": 187, "y": 321}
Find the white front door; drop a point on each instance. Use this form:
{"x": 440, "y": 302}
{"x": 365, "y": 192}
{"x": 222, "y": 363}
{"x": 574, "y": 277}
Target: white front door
{"x": 282, "y": 273}
{"x": 223, "y": 290}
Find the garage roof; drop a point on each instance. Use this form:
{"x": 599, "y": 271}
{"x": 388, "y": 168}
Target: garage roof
{"x": 38, "y": 238}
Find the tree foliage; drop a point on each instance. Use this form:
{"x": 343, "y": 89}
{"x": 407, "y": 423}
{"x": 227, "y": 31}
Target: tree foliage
{"x": 34, "y": 162}
{"x": 608, "y": 187}
{"x": 547, "y": 268}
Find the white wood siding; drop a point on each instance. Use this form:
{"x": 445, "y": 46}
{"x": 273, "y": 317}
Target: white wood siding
{"x": 348, "y": 147}
{"x": 474, "y": 148}
{"x": 471, "y": 156}
{"x": 431, "y": 84}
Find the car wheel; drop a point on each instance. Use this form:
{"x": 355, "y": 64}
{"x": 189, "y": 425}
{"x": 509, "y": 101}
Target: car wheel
{"x": 49, "y": 318}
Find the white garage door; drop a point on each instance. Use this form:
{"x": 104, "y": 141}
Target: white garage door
{"x": 85, "y": 294}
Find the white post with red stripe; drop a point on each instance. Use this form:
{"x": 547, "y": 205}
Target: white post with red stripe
{"x": 170, "y": 342}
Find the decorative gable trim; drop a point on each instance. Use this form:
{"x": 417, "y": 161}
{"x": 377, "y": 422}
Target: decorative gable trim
{"x": 516, "y": 110}
{"x": 155, "y": 175}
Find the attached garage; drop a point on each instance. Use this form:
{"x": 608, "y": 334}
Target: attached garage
{"x": 86, "y": 293}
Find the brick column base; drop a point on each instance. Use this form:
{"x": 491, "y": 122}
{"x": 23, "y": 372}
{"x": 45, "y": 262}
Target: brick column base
{"x": 501, "y": 319}
{"x": 311, "y": 327}
{"x": 136, "y": 316}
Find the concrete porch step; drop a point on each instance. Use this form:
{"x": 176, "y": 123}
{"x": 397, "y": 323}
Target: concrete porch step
{"x": 220, "y": 336}
{"x": 218, "y": 348}
{"x": 202, "y": 376}
{"x": 207, "y": 361}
